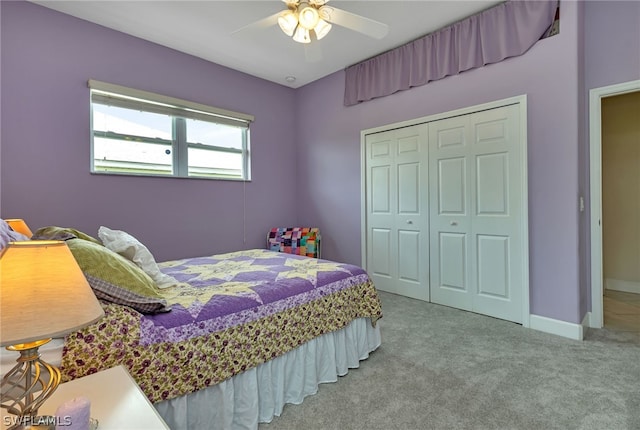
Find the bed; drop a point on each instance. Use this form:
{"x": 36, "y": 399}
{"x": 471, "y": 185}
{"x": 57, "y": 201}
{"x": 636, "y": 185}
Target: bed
{"x": 234, "y": 337}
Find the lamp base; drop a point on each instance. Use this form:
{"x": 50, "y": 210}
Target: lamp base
{"x": 27, "y": 385}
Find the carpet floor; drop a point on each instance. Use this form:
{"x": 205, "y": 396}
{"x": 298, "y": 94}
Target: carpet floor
{"x": 443, "y": 368}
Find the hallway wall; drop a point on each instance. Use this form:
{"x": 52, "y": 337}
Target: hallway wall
{"x": 621, "y": 191}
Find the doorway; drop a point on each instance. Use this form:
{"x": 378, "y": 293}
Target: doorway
{"x": 615, "y": 207}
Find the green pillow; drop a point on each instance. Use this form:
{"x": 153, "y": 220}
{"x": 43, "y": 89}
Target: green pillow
{"x": 115, "y": 279}
{"x": 62, "y": 233}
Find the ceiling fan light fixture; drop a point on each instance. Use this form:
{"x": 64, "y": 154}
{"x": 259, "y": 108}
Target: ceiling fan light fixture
{"x": 308, "y": 16}
{"x": 302, "y": 35}
{"x": 288, "y": 22}
{"x": 322, "y": 29}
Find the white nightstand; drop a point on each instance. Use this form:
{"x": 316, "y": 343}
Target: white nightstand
{"x": 116, "y": 401}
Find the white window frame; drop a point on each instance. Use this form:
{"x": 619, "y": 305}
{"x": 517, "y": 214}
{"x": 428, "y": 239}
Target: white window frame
{"x": 179, "y": 109}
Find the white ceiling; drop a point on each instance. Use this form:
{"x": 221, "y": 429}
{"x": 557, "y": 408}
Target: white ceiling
{"x": 204, "y": 29}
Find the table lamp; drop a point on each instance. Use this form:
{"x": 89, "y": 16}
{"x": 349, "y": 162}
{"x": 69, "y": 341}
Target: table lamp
{"x": 43, "y": 294}
{"x": 20, "y": 226}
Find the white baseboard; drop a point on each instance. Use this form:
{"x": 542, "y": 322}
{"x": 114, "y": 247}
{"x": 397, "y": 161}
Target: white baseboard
{"x": 618, "y": 285}
{"x": 586, "y": 323}
{"x": 557, "y": 327}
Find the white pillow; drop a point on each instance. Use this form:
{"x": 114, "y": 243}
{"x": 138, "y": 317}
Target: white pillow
{"x": 131, "y": 248}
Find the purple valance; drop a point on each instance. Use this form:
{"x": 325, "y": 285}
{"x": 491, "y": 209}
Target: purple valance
{"x": 506, "y": 30}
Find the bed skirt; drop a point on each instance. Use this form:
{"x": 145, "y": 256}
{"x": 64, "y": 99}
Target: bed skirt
{"x": 259, "y": 394}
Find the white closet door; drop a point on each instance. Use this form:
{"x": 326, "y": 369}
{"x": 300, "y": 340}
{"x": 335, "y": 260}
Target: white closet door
{"x": 450, "y": 214}
{"x": 476, "y": 217}
{"x": 397, "y": 211}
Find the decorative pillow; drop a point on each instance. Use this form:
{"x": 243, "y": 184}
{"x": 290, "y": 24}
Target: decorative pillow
{"x": 131, "y": 248}
{"x": 116, "y": 279}
{"x": 62, "y": 233}
{"x": 7, "y": 234}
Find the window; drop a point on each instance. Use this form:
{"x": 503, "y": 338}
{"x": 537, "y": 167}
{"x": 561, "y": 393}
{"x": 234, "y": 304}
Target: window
{"x": 140, "y": 133}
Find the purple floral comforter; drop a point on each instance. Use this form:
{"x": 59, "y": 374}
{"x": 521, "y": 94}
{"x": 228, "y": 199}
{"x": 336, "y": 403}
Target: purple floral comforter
{"x": 231, "y": 312}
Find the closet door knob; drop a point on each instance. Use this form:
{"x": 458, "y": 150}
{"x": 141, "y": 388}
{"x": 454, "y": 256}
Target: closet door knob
{"x": 409, "y": 222}
{"x": 454, "y": 222}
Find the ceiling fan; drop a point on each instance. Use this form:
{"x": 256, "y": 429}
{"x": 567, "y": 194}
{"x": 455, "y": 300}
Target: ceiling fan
{"x": 308, "y": 20}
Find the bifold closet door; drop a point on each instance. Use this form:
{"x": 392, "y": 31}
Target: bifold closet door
{"x": 476, "y": 220}
{"x": 397, "y": 211}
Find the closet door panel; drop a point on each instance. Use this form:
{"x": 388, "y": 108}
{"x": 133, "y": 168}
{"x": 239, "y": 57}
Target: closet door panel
{"x": 381, "y": 190}
{"x": 492, "y": 193}
{"x": 449, "y": 183}
{"x": 497, "y": 222}
{"x": 380, "y": 177}
{"x": 452, "y": 259}
{"x": 397, "y": 211}
{"x": 452, "y": 186}
{"x": 409, "y": 255}
{"x": 409, "y": 189}
{"x": 476, "y": 230}
{"x": 381, "y": 259}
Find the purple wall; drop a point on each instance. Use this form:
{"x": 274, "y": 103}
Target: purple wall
{"x": 47, "y": 58}
{"x": 330, "y": 154}
{"x": 612, "y": 42}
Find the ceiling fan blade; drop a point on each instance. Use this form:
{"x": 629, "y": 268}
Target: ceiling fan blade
{"x": 312, "y": 52}
{"x": 261, "y": 24}
{"x": 354, "y": 22}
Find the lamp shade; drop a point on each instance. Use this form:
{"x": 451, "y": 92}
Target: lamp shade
{"x": 288, "y": 22}
{"x": 322, "y": 29}
{"x": 20, "y": 226}
{"x": 302, "y": 35}
{"x": 43, "y": 293}
{"x": 308, "y": 17}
